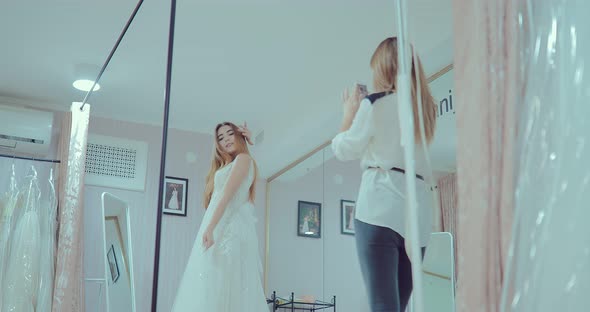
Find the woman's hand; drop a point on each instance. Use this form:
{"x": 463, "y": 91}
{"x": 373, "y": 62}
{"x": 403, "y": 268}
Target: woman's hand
{"x": 246, "y": 133}
{"x": 208, "y": 240}
{"x": 351, "y": 104}
{"x": 351, "y": 101}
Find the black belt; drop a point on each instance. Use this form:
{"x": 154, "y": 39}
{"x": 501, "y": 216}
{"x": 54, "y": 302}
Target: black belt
{"x": 400, "y": 170}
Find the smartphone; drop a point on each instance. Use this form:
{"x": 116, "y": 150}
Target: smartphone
{"x": 362, "y": 88}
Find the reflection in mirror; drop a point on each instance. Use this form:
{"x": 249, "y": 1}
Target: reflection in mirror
{"x": 118, "y": 254}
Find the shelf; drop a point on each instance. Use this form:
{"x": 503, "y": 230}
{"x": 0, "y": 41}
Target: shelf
{"x": 292, "y": 305}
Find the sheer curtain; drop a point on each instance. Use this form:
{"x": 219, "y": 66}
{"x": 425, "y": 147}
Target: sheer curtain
{"x": 69, "y": 284}
{"x": 486, "y": 81}
{"x": 447, "y": 190}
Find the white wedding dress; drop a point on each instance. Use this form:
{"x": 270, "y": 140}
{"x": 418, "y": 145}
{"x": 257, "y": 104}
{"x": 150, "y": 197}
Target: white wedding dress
{"x": 226, "y": 277}
{"x": 173, "y": 202}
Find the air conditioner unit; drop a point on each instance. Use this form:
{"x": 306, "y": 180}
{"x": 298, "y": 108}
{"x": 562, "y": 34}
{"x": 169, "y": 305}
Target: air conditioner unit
{"x": 25, "y": 131}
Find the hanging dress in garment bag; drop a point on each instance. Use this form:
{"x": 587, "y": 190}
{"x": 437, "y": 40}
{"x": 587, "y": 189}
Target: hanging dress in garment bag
{"x": 47, "y": 215}
{"x": 22, "y": 276}
{"x": 7, "y": 205}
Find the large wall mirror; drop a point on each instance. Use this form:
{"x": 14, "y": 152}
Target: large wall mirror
{"x": 281, "y": 68}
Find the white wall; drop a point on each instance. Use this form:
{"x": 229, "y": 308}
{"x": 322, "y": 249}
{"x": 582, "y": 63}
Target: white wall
{"x": 343, "y": 273}
{"x": 295, "y": 263}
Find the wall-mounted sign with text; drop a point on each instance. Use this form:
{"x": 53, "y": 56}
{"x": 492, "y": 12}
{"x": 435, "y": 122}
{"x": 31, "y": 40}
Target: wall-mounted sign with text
{"x": 443, "y": 150}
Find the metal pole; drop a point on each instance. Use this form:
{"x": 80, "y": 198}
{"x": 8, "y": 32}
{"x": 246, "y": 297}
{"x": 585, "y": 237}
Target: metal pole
{"x": 408, "y": 142}
{"x": 163, "y": 155}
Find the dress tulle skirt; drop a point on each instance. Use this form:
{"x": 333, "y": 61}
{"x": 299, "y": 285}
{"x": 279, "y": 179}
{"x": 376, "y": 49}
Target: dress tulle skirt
{"x": 227, "y": 276}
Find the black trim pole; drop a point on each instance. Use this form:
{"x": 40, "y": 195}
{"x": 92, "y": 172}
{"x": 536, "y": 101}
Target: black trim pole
{"x": 106, "y": 63}
{"x": 163, "y": 155}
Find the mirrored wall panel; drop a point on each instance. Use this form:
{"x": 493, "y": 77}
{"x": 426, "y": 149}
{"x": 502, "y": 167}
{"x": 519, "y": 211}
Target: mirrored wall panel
{"x": 297, "y": 231}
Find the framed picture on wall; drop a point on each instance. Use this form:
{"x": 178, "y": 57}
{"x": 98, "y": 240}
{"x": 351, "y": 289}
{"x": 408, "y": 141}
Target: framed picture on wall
{"x": 113, "y": 264}
{"x": 175, "y": 196}
{"x": 347, "y": 208}
{"x": 309, "y": 216}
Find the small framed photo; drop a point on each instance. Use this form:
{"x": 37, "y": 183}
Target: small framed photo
{"x": 175, "y": 199}
{"x": 309, "y": 216}
{"x": 113, "y": 264}
{"x": 347, "y": 209}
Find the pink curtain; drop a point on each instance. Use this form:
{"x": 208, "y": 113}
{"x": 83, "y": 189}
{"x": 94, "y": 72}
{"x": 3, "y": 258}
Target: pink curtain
{"x": 447, "y": 191}
{"x": 69, "y": 287}
{"x": 485, "y": 79}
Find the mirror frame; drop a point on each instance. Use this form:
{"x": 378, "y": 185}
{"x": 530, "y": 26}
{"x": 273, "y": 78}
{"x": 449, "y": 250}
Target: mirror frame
{"x": 451, "y": 277}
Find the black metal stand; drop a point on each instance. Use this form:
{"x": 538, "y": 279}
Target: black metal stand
{"x": 292, "y": 305}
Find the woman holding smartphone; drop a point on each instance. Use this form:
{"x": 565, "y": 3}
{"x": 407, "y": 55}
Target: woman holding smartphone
{"x": 371, "y": 132}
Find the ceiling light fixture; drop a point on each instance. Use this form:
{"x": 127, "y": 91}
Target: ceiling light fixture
{"x": 85, "y": 75}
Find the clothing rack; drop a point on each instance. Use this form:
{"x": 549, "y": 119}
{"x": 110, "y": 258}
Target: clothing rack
{"x": 293, "y": 305}
{"x": 31, "y": 158}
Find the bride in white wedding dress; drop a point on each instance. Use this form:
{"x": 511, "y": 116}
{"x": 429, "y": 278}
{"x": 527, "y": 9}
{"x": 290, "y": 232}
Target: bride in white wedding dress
{"x": 223, "y": 270}
{"x": 173, "y": 202}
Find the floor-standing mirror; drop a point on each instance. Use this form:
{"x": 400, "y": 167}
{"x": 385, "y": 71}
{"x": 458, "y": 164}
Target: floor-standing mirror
{"x": 439, "y": 273}
{"x": 118, "y": 254}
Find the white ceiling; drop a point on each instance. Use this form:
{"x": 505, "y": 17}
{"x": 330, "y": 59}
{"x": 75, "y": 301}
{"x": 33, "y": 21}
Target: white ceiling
{"x": 280, "y": 65}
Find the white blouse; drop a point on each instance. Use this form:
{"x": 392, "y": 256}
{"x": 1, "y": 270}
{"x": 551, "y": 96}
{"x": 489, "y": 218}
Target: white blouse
{"x": 374, "y": 137}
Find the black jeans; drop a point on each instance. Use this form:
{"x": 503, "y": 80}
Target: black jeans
{"x": 386, "y": 268}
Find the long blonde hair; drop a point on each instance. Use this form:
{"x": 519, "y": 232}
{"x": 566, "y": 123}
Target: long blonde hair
{"x": 221, "y": 159}
{"x": 385, "y": 70}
